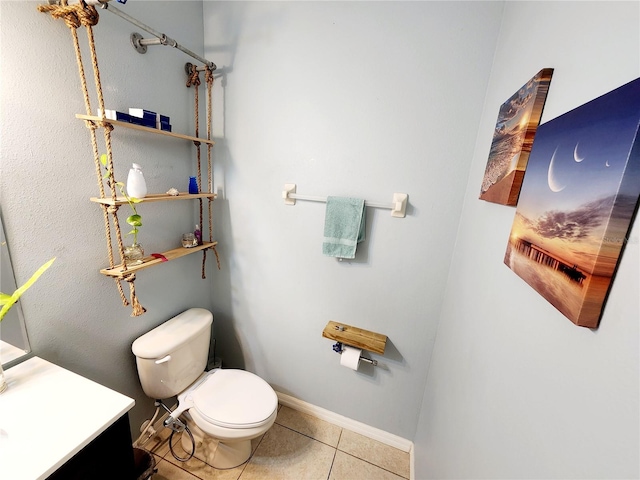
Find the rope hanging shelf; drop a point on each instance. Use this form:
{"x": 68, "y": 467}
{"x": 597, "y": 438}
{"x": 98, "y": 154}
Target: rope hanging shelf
{"x": 133, "y": 126}
{"x": 154, "y": 197}
{"x": 83, "y": 14}
{"x": 156, "y": 259}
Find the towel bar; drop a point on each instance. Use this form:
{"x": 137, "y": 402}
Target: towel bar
{"x": 398, "y": 206}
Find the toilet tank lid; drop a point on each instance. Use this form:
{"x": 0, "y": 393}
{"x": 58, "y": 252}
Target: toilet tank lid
{"x": 170, "y": 335}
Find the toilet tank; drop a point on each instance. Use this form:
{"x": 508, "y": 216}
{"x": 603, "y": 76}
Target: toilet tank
{"x": 174, "y": 354}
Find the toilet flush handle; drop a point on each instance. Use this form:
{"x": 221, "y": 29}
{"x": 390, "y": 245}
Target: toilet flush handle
{"x": 163, "y": 360}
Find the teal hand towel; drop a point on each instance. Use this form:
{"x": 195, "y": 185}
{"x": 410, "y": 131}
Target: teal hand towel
{"x": 344, "y": 226}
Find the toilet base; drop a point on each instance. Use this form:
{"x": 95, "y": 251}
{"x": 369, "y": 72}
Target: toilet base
{"x": 220, "y": 455}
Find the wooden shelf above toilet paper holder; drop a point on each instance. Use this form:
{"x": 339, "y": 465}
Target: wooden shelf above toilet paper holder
{"x": 355, "y": 337}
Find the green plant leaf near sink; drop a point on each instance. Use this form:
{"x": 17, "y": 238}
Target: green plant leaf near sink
{"x": 7, "y": 301}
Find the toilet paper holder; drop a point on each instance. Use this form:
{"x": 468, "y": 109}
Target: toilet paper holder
{"x": 338, "y": 349}
{"x": 355, "y": 337}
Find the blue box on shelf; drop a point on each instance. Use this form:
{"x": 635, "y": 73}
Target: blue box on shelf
{"x": 123, "y": 117}
{"x": 145, "y": 122}
{"x": 142, "y": 113}
{"x": 165, "y": 126}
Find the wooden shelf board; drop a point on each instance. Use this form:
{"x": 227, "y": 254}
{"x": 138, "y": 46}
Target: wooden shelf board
{"x": 154, "y": 197}
{"x": 133, "y": 126}
{"x": 150, "y": 261}
{"x": 356, "y": 337}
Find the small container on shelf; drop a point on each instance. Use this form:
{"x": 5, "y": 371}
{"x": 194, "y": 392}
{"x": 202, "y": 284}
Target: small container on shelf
{"x": 143, "y": 117}
{"x": 193, "y": 185}
{"x": 136, "y": 186}
{"x": 123, "y": 117}
{"x": 189, "y": 240}
{"x": 133, "y": 254}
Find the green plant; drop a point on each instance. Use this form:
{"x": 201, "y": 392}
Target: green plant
{"x": 7, "y": 301}
{"x": 135, "y": 220}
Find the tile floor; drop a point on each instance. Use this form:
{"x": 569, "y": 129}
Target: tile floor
{"x": 297, "y": 447}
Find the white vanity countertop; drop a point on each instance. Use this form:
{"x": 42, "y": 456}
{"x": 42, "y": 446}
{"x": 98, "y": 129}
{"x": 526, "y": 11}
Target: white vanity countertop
{"x": 48, "y": 414}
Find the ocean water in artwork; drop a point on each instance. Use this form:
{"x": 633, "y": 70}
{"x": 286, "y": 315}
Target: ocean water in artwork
{"x": 512, "y": 138}
{"x": 504, "y": 154}
{"x": 577, "y": 201}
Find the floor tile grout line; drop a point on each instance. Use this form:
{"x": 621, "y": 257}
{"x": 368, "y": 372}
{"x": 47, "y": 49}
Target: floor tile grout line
{"x": 184, "y": 469}
{"x": 245, "y": 464}
{"x": 370, "y": 463}
{"x": 309, "y": 436}
{"x": 180, "y": 468}
{"x": 335, "y": 452}
{"x": 343, "y": 451}
{"x": 342, "y": 429}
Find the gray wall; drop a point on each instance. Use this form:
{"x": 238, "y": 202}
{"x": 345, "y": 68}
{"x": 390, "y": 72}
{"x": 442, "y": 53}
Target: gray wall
{"x": 515, "y": 390}
{"x": 74, "y": 315}
{"x": 359, "y": 99}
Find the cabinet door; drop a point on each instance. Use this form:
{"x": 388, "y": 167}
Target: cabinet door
{"x": 108, "y": 457}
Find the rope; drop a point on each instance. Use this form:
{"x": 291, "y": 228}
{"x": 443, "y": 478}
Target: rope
{"x": 86, "y": 15}
{"x": 137, "y": 308}
{"x": 194, "y": 79}
{"x": 217, "y": 257}
{"x": 73, "y": 15}
{"x": 204, "y": 259}
{"x": 210, "y": 83}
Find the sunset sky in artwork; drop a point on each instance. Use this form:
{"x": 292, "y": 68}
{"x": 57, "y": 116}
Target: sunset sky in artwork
{"x": 574, "y": 173}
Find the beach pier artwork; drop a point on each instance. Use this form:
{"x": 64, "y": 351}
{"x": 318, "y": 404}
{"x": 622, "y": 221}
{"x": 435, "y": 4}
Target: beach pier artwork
{"x": 538, "y": 255}
{"x": 518, "y": 119}
{"x": 577, "y": 203}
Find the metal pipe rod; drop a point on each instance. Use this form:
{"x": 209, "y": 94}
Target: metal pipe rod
{"x": 164, "y": 39}
{"x": 297, "y": 196}
{"x": 150, "y": 41}
{"x": 199, "y": 69}
{"x": 368, "y": 360}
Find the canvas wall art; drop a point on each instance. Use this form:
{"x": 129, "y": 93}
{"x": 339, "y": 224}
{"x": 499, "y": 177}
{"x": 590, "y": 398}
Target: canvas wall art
{"x": 518, "y": 120}
{"x": 578, "y": 200}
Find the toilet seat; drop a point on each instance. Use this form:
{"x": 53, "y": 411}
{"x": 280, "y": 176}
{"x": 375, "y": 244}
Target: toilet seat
{"x": 234, "y": 399}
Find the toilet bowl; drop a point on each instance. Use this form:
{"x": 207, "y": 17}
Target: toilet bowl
{"x": 224, "y": 408}
{"x": 232, "y": 407}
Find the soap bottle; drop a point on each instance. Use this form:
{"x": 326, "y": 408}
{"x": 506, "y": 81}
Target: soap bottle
{"x": 136, "y": 186}
{"x": 198, "y": 234}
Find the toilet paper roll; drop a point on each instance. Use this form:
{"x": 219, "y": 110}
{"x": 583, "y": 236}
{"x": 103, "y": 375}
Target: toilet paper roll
{"x": 350, "y": 357}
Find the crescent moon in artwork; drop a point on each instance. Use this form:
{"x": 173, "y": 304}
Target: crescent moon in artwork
{"x": 551, "y": 177}
{"x": 607, "y": 164}
{"x": 577, "y": 157}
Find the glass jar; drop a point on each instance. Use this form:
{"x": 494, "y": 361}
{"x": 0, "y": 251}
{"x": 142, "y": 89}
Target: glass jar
{"x": 133, "y": 254}
{"x": 189, "y": 240}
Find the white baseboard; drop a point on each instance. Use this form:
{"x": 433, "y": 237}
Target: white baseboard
{"x": 344, "y": 422}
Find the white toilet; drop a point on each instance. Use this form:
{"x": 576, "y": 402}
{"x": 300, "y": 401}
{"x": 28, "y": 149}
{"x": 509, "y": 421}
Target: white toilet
{"x": 224, "y": 409}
